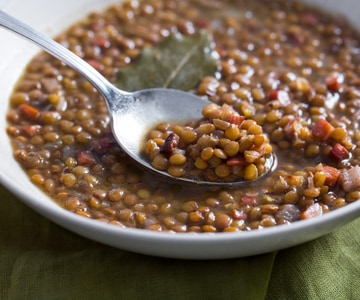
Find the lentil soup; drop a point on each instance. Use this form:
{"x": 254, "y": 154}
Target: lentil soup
{"x": 291, "y": 69}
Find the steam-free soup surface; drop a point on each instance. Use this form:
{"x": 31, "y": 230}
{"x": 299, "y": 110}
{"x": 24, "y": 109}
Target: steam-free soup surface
{"x": 290, "y": 69}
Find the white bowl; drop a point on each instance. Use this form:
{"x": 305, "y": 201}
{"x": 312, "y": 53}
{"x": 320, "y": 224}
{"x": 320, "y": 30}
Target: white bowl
{"x": 16, "y": 53}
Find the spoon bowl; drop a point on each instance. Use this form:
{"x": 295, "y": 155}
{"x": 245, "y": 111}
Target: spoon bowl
{"x": 133, "y": 114}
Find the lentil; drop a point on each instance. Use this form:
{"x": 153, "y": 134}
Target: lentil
{"x": 278, "y": 75}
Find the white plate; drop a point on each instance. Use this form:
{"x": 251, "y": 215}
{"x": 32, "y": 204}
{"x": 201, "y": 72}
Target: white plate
{"x": 53, "y": 17}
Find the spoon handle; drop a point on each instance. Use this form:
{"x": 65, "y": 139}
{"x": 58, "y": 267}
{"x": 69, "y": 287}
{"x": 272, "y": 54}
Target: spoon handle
{"x": 57, "y": 50}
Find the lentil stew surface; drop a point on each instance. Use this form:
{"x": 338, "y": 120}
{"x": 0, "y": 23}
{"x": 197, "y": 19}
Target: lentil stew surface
{"x": 290, "y": 68}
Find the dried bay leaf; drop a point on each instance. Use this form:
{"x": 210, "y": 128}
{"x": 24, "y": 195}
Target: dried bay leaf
{"x": 177, "y": 62}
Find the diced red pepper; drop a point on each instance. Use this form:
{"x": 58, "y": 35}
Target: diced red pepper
{"x": 313, "y": 210}
{"x": 31, "y": 130}
{"x": 248, "y": 199}
{"x": 232, "y": 118}
{"x": 170, "y": 144}
{"x": 236, "y": 161}
{"x": 338, "y": 152}
{"x": 86, "y": 158}
{"x": 101, "y": 42}
{"x": 322, "y": 130}
{"x": 332, "y": 175}
{"x": 28, "y": 112}
{"x": 280, "y": 95}
{"x": 238, "y": 215}
{"x": 333, "y": 84}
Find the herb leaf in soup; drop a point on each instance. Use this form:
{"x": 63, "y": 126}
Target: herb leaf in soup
{"x": 178, "y": 62}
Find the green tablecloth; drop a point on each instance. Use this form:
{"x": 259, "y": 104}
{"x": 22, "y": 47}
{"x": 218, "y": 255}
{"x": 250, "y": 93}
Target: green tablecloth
{"x": 40, "y": 260}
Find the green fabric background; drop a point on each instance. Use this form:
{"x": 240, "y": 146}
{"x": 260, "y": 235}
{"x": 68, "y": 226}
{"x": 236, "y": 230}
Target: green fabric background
{"x": 40, "y": 260}
{"x": 327, "y": 268}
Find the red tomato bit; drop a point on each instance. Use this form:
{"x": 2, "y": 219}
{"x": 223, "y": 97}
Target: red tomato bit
{"x": 280, "y": 95}
{"x": 338, "y": 153}
{"x": 171, "y": 142}
{"x": 248, "y": 199}
{"x": 235, "y": 161}
{"x": 86, "y": 158}
{"x": 232, "y": 118}
{"x": 333, "y": 83}
{"x": 31, "y": 130}
{"x": 28, "y": 112}
{"x": 332, "y": 175}
{"x": 322, "y": 130}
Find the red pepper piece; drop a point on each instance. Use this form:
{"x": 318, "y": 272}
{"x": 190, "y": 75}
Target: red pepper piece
{"x": 86, "y": 158}
{"x": 235, "y": 161}
{"x": 248, "y": 199}
{"x": 333, "y": 84}
{"x": 28, "y": 112}
{"x": 332, "y": 175}
{"x": 31, "y": 130}
{"x": 322, "y": 130}
{"x": 238, "y": 215}
{"x": 280, "y": 95}
{"x": 234, "y": 119}
{"x": 100, "y": 41}
{"x": 338, "y": 152}
{"x": 170, "y": 144}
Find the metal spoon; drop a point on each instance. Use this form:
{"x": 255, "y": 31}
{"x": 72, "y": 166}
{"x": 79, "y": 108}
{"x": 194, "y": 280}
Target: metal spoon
{"x": 133, "y": 114}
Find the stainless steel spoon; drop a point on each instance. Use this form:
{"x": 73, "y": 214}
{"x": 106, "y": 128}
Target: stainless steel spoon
{"x": 133, "y": 114}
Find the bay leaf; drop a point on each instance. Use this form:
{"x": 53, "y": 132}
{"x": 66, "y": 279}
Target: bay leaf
{"x": 177, "y": 62}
